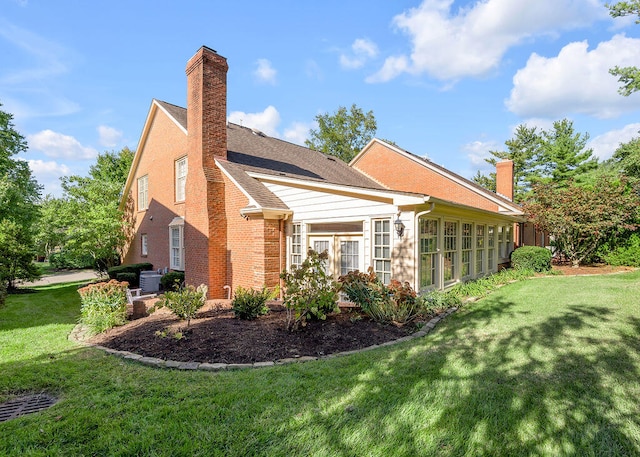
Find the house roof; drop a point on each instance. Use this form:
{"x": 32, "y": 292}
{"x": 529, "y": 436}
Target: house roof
{"x": 497, "y": 198}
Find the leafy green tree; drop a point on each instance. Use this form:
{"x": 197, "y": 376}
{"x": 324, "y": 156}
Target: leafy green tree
{"x": 524, "y": 150}
{"x": 629, "y": 77}
{"x": 51, "y": 231}
{"x": 344, "y": 133}
{"x": 19, "y": 193}
{"x": 627, "y": 158}
{"x": 563, "y": 153}
{"x": 582, "y": 218}
{"x": 89, "y": 210}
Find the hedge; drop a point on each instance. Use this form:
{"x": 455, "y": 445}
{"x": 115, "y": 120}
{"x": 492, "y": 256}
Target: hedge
{"x": 533, "y": 258}
{"x": 134, "y": 268}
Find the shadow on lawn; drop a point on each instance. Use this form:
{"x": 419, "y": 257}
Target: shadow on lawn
{"x": 544, "y": 390}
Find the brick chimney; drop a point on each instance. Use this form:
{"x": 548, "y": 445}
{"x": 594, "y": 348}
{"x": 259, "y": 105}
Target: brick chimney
{"x": 205, "y": 230}
{"x": 504, "y": 179}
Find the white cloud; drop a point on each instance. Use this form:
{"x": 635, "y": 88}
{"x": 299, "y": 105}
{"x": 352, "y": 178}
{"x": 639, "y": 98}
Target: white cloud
{"x": 109, "y": 136}
{"x": 264, "y": 72}
{"x": 48, "y": 174}
{"x": 473, "y": 40}
{"x": 477, "y": 151}
{"x": 576, "y": 81}
{"x": 606, "y": 144}
{"x": 298, "y": 132}
{"x": 57, "y": 145}
{"x": 362, "y": 49}
{"x": 266, "y": 121}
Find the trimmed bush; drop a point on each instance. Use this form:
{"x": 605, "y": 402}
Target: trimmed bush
{"x": 103, "y": 305}
{"x": 627, "y": 254}
{"x": 532, "y": 258}
{"x": 172, "y": 280}
{"x": 135, "y": 268}
{"x": 185, "y": 302}
{"x": 130, "y": 278}
{"x": 250, "y": 303}
{"x": 310, "y": 292}
{"x": 65, "y": 261}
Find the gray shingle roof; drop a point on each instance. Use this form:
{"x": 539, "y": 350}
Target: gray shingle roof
{"x": 249, "y": 150}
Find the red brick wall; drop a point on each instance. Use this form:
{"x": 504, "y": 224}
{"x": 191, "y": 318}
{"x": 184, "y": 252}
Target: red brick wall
{"x": 504, "y": 178}
{"x": 400, "y": 173}
{"x": 205, "y": 216}
{"x": 165, "y": 143}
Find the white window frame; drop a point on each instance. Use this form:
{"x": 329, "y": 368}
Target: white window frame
{"x": 143, "y": 193}
{"x": 382, "y": 249}
{"x": 428, "y": 252}
{"x": 450, "y": 251}
{"x": 144, "y": 245}
{"x": 466, "y": 248}
{"x": 181, "y": 178}
{"x": 481, "y": 247}
{"x": 295, "y": 257}
{"x": 176, "y": 250}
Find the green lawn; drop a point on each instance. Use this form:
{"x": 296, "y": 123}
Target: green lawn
{"x": 546, "y": 366}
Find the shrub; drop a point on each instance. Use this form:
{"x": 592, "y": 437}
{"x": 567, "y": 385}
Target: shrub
{"x": 627, "y": 254}
{"x": 185, "y": 302}
{"x": 533, "y": 258}
{"x": 129, "y": 278}
{"x": 135, "y": 268}
{"x": 66, "y": 261}
{"x": 310, "y": 292}
{"x": 3, "y": 293}
{"x": 251, "y": 303}
{"x": 172, "y": 280}
{"x": 394, "y": 303}
{"x": 363, "y": 289}
{"x": 103, "y": 305}
{"x": 436, "y": 301}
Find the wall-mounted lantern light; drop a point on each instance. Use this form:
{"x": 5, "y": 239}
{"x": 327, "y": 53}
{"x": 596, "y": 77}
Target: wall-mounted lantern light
{"x": 399, "y": 226}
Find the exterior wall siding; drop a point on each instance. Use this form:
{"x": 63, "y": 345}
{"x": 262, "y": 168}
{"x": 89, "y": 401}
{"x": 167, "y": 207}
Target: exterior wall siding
{"x": 401, "y": 173}
{"x": 165, "y": 144}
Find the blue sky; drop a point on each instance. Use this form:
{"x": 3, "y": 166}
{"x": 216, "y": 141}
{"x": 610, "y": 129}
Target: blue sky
{"x": 445, "y": 79}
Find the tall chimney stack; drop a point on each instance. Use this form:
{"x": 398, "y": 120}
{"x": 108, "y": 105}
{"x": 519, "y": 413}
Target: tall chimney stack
{"x": 205, "y": 230}
{"x": 504, "y": 179}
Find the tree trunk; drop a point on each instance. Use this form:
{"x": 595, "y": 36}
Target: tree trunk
{"x": 575, "y": 263}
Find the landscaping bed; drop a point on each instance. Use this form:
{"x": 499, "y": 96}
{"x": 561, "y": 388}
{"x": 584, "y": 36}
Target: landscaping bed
{"x": 216, "y": 336}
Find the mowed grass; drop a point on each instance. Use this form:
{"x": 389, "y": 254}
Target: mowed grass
{"x": 547, "y": 366}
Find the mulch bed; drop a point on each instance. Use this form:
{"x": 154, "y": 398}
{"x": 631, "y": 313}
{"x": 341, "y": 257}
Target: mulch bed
{"x": 216, "y": 336}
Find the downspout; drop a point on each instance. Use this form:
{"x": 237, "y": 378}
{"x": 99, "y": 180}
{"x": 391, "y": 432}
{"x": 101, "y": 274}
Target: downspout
{"x": 282, "y": 243}
{"x": 416, "y": 253}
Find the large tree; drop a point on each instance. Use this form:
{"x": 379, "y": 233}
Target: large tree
{"x": 580, "y": 218}
{"x": 344, "y": 133}
{"x": 564, "y": 155}
{"x": 89, "y": 210}
{"x": 19, "y": 193}
{"x": 555, "y": 155}
{"x": 629, "y": 77}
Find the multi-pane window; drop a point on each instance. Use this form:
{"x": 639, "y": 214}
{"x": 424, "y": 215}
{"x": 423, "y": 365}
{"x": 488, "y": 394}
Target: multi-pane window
{"x": 143, "y": 192}
{"x": 181, "y": 178}
{"x": 143, "y": 245}
{"x": 491, "y": 244}
{"x": 349, "y": 256}
{"x": 467, "y": 248}
{"x": 508, "y": 239}
{"x": 296, "y": 245}
{"x": 450, "y": 250}
{"x": 382, "y": 249}
{"x": 428, "y": 252}
{"x": 176, "y": 244}
{"x": 480, "y": 247}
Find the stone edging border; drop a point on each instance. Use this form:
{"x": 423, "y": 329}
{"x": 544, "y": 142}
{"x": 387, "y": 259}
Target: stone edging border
{"x": 78, "y": 335}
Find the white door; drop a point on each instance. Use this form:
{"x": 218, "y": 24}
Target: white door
{"x": 346, "y": 253}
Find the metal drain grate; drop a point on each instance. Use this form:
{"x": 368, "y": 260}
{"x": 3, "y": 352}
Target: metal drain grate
{"x": 25, "y": 404}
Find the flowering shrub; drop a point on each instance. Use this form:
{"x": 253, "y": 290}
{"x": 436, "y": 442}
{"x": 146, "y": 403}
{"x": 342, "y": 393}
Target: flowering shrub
{"x": 395, "y": 303}
{"x": 184, "y": 302}
{"x": 103, "y": 305}
{"x": 310, "y": 292}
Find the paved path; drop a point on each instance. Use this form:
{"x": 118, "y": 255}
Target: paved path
{"x": 62, "y": 276}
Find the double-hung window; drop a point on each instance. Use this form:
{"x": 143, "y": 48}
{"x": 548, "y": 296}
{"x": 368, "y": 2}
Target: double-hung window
{"x": 467, "y": 248}
{"x": 480, "y": 248}
{"x": 450, "y": 250}
{"x": 143, "y": 192}
{"x": 176, "y": 244}
{"x": 296, "y": 246}
{"x": 428, "y": 253}
{"x": 491, "y": 245}
{"x": 382, "y": 249}
{"x": 181, "y": 178}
